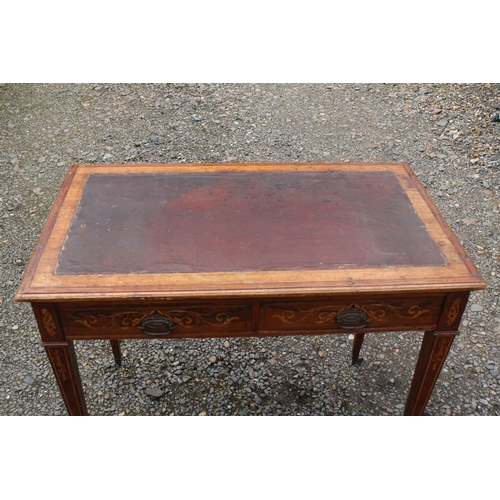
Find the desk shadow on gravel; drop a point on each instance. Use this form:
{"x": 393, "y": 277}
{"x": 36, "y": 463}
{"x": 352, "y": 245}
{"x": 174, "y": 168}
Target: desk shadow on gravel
{"x": 251, "y": 376}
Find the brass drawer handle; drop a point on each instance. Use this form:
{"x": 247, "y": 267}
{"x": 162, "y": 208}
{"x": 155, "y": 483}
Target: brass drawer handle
{"x": 157, "y": 325}
{"x": 352, "y": 318}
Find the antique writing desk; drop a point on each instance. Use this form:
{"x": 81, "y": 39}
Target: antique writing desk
{"x": 221, "y": 250}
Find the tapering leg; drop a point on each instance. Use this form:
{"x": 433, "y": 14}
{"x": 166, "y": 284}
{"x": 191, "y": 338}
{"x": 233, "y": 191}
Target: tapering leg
{"x": 115, "y": 345}
{"x": 63, "y": 360}
{"x": 433, "y": 352}
{"x": 62, "y": 357}
{"x": 356, "y": 346}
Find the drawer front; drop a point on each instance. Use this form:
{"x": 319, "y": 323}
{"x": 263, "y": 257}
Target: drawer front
{"x": 156, "y": 320}
{"x": 365, "y": 314}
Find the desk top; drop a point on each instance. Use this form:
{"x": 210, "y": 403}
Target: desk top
{"x": 176, "y": 230}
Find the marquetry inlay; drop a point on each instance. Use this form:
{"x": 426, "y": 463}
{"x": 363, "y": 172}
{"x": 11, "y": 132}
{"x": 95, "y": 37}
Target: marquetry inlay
{"x": 131, "y": 319}
{"x": 49, "y": 323}
{"x": 326, "y": 314}
{"x": 453, "y": 312}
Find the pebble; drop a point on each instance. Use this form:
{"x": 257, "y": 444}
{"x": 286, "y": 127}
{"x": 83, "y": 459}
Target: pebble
{"x": 443, "y": 122}
{"x": 468, "y": 222}
{"x": 154, "y": 392}
{"x": 476, "y": 307}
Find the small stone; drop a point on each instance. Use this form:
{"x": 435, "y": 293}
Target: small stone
{"x": 15, "y": 327}
{"x": 321, "y": 354}
{"x": 149, "y": 382}
{"x": 212, "y": 359}
{"x": 41, "y": 159}
{"x": 390, "y": 144}
{"x": 334, "y": 387}
{"x": 202, "y": 414}
{"x": 122, "y": 414}
{"x": 476, "y": 308}
{"x": 154, "y": 392}
{"x": 251, "y": 372}
{"x": 38, "y": 191}
{"x": 28, "y": 380}
{"x": 226, "y": 344}
{"x": 400, "y": 406}
{"x": 468, "y": 222}
{"x": 443, "y": 122}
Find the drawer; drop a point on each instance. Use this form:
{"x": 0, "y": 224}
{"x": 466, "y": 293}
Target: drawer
{"x": 348, "y": 314}
{"x": 156, "y": 320}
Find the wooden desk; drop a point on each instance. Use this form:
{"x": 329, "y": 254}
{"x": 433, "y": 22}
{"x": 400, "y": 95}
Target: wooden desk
{"x": 221, "y": 250}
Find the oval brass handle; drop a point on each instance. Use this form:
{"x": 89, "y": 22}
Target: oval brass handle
{"x": 352, "y": 318}
{"x": 157, "y": 325}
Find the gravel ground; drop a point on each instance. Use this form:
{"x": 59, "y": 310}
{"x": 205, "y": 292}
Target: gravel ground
{"x": 444, "y": 131}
